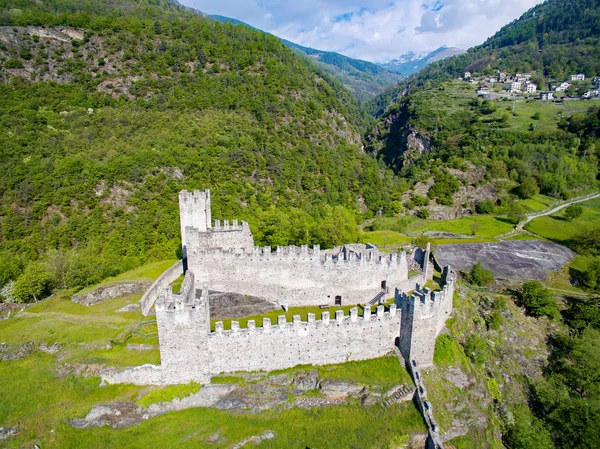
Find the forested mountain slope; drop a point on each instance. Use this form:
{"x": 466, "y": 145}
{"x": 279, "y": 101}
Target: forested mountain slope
{"x": 363, "y": 78}
{"x": 110, "y": 108}
{"x": 433, "y": 123}
{"x": 555, "y": 39}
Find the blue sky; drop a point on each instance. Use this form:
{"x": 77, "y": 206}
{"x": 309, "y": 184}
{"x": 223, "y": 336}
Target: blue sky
{"x": 377, "y": 30}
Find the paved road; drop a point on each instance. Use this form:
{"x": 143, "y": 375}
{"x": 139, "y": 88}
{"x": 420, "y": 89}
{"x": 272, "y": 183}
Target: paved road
{"x": 522, "y": 224}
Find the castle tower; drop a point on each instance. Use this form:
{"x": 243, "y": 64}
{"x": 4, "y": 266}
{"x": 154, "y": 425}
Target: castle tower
{"x": 183, "y": 327}
{"x": 424, "y": 315}
{"x": 194, "y": 211}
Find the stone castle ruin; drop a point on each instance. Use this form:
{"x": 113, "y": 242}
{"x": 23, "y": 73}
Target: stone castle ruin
{"x": 224, "y": 258}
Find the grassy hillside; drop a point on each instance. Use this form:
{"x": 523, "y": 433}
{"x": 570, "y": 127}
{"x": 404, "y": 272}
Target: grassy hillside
{"x": 555, "y": 39}
{"x": 434, "y": 117}
{"x": 41, "y": 392}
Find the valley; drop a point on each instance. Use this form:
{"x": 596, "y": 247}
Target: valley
{"x": 109, "y": 109}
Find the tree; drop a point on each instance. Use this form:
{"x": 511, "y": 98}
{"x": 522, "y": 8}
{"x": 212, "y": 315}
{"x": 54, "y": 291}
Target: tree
{"x": 480, "y": 276}
{"x": 573, "y": 211}
{"x": 527, "y": 431}
{"x": 588, "y": 240}
{"x": 33, "y": 284}
{"x": 516, "y": 212}
{"x": 527, "y": 188}
{"x": 537, "y": 300}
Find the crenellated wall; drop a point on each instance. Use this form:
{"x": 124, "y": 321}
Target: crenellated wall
{"x": 285, "y": 344}
{"x": 190, "y": 351}
{"x": 224, "y": 257}
{"x": 299, "y": 275}
{"x": 424, "y": 314}
{"x": 224, "y": 236}
{"x": 183, "y": 325}
{"x": 433, "y": 431}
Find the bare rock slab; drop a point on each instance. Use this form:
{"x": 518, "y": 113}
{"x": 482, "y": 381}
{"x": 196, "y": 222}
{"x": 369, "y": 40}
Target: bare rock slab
{"x": 516, "y": 259}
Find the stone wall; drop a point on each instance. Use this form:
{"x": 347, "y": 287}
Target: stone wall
{"x": 225, "y": 236}
{"x": 162, "y": 283}
{"x": 433, "y": 437}
{"x": 183, "y": 324}
{"x": 424, "y": 315}
{"x": 301, "y": 276}
{"x": 317, "y": 342}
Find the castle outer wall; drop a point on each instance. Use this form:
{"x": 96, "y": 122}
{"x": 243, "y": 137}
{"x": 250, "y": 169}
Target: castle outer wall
{"x": 301, "y": 276}
{"x": 190, "y": 351}
{"x": 316, "y": 342}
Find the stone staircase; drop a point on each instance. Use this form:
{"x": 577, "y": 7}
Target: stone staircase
{"x": 404, "y": 393}
{"x": 377, "y": 298}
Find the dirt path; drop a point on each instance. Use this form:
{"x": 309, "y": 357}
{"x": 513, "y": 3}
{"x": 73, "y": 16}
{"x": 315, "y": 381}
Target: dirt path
{"x": 530, "y": 217}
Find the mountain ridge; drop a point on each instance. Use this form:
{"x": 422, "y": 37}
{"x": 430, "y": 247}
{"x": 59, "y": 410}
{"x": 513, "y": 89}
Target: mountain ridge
{"x": 363, "y": 78}
{"x": 412, "y": 62}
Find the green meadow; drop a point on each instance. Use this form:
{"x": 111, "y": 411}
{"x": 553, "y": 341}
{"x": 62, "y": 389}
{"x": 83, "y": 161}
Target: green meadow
{"x": 40, "y": 392}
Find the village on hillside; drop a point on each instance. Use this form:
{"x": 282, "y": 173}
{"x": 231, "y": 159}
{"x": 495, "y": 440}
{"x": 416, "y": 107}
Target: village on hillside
{"x": 504, "y": 85}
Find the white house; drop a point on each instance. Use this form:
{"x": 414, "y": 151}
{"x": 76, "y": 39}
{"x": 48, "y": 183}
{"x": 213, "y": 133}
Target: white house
{"x": 467, "y": 76}
{"x": 546, "y": 95}
{"x": 531, "y": 88}
{"x": 483, "y": 90}
{"x": 578, "y": 77}
{"x": 562, "y": 87}
{"x": 515, "y": 86}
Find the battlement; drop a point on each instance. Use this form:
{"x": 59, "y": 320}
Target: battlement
{"x": 282, "y": 325}
{"x": 227, "y": 226}
{"x": 303, "y": 254}
{"x": 425, "y": 297}
{"x": 424, "y": 314}
{"x": 186, "y": 299}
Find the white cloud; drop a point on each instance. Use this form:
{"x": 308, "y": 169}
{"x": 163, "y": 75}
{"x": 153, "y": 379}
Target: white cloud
{"x": 377, "y": 31}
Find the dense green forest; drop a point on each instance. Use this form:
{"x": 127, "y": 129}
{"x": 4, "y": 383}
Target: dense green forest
{"x": 362, "y": 78}
{"x": 99, "y": 131}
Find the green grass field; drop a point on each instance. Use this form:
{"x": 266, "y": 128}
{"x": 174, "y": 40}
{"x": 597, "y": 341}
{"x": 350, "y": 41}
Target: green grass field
{"x": 40, "y": 404}
{"x": 549, "y": 112}
{"x": 537, "y": 203}
{"x": 40, "y": 393}
{"x": 557, "y": 228}
{"x": 478, "y": 226}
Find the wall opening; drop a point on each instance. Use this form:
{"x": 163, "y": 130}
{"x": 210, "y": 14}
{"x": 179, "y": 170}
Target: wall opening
{"x": 384, "y": 285}
{"x": 338, "y": 300}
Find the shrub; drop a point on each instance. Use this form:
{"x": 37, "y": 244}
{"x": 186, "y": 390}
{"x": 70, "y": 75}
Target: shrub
{"x": 480, "y": 276}
{"x": 485, "y": 207}
{"x": 13, "y": 64}
{"x": 33, "y": 284}
{"x": 537, "y": 300}
{"x": 423, "y": 213}
{"x": 494, "y": 320}
{"x": 527, "y": 188}
{"x": 573, "y": 211}
{"x": 492, "y": 387}
{"x": 419, "y": 200}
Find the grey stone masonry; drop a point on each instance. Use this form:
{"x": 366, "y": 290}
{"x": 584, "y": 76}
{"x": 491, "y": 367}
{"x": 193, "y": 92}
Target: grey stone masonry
{"x": 224, "y": 257}
{"x": 424, "y": 315}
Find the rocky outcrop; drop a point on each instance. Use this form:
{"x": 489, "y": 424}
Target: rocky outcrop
{"x": 110, "y": 291}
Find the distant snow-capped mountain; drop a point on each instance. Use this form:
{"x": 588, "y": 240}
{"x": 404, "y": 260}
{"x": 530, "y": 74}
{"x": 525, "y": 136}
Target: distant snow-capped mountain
{"x": 414, "y": 61}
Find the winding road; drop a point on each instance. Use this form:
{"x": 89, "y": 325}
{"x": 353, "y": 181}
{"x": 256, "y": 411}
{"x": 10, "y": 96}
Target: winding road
{"x": 530, "y": 217}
